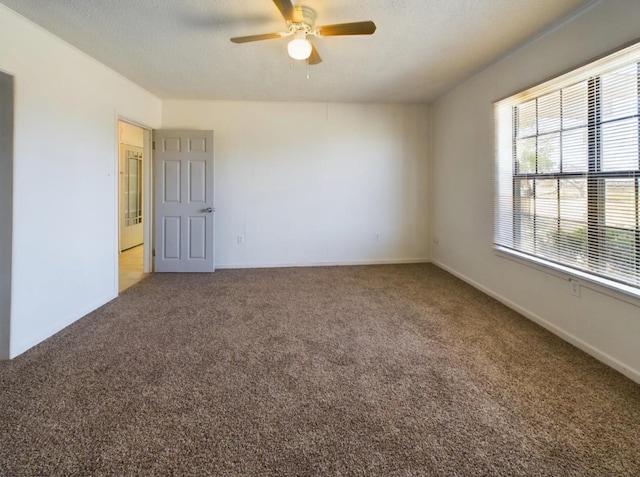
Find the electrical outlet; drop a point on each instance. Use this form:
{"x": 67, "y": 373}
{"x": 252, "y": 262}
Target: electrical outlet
{"x": 575, "y": 287}
{"x": 240, "y": 239}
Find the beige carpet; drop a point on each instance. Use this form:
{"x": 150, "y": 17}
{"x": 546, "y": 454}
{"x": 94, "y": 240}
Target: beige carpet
{"x": 382, "y": 370}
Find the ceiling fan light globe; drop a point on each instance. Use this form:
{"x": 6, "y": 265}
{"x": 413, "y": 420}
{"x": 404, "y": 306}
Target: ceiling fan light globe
{"x": 299, "y": 49}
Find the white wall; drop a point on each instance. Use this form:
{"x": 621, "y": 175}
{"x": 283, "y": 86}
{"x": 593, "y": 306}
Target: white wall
{"x": 65, "y": 184}
{"x": 463, "y": 157}
{"x": 313, "y": 183}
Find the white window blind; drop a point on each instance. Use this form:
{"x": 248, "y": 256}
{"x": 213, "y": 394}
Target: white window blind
{"x": 567, "y": 181}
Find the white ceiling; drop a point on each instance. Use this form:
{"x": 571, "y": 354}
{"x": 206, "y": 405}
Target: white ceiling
{"x": 181, "y": 48}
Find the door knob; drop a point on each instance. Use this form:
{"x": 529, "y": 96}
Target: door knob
{"x": 209, "y": 209}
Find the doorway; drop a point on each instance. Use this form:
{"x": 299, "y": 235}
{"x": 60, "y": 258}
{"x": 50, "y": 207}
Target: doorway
{"x": 132, "y": 215}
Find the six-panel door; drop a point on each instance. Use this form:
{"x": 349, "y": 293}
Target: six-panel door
{"x": 183, "y": 183}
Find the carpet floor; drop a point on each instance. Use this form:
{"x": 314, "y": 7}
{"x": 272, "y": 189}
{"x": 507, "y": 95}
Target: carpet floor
{"x": 396, "y": 370}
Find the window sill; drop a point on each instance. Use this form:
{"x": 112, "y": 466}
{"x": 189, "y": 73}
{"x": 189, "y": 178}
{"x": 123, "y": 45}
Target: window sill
{"x": 600, "y": 285}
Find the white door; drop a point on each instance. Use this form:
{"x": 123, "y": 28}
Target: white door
{"x": 131, "y": 196}
{"x": 183, "y": 182}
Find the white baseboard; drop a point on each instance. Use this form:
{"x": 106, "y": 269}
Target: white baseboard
{"x": 17, "y": 350}
{"x": 338, "y": 263}
{"x": 619, "y": 366}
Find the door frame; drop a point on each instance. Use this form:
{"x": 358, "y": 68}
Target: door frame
{"x": 147, "y": 186}
{"x": 7, "y": 119}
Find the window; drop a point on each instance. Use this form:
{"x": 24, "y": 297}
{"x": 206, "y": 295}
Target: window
{"x": 567, "y": 190}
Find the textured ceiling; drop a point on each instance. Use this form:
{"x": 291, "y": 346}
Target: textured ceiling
{"x": 181, "y": 48}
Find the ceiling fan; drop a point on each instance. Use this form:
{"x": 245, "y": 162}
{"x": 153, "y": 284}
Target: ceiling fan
{"x": 300, "y": 24}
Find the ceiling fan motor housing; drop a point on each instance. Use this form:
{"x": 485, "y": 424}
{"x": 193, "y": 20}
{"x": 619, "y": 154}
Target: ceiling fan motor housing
{"x": 307, "y": 17}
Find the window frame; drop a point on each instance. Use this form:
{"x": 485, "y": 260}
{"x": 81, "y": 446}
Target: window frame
{"x": 594, "y": 175}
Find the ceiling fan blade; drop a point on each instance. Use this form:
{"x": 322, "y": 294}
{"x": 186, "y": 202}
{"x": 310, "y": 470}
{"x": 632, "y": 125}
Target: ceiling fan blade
{"x": 247, "y": 39}
{"x": 357, "y": 28}
{"x": 314, "y": 58}
{"x": 287, "y": 9}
